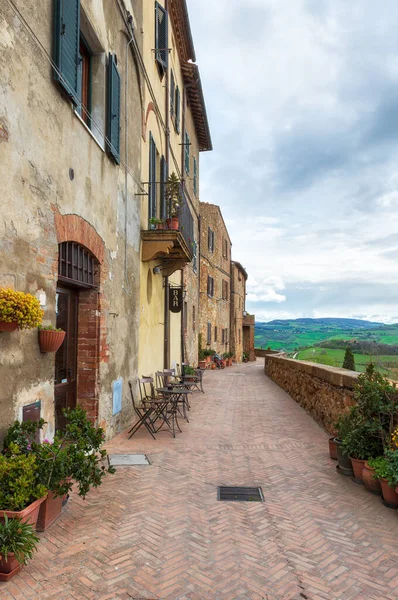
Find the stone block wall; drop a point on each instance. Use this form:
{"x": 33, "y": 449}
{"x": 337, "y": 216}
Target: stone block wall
{"x": 324, "y": 392}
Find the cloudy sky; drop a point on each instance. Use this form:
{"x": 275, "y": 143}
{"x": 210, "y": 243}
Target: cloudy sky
{"x": 302, "y": 99}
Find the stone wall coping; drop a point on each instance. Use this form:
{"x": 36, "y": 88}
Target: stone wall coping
{"x": 333, "y": 375}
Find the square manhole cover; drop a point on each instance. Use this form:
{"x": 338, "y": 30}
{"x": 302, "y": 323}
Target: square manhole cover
{"x": 240, "y": 494}
{"x": 128, "y": 460}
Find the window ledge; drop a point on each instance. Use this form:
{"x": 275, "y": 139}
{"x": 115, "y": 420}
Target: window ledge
{"x": 88, "y": 129}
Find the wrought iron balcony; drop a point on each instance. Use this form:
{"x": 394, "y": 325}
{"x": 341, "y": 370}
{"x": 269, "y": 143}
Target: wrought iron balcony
{"x": 171, "y": 240}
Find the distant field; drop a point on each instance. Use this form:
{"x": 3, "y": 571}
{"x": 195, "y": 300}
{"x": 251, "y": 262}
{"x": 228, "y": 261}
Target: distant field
{"x": 334, "y": 358}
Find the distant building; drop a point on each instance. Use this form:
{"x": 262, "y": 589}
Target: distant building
{"x": 238, "y": 308}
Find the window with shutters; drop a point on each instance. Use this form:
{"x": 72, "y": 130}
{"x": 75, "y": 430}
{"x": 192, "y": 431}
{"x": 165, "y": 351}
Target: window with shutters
{"x": 208, "y": 333}
{"x": 187, "y": 144}
{"x": 113, "y": 130}
{"x": 80, "y": 68}
{"x": 152, "y": 180}
{"x": 223, "y": 336}
{"x": 163, "y": 180}
{"x": 225, "y": 248}
{"x": 195, "y": 176}
{"x": 185, "y": 317}
{"x": 172, "y": 95}
{"x": 161, "y": 38}
{"x": 195, "y": 257}
{"x": 215, "y": 333}
{"x": 177, "y": 110}
{"x": 239, "y": 335}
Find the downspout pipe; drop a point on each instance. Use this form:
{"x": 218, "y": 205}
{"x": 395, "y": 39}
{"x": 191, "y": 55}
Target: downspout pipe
{"x": 126, "y": 155}
{"x": 166, "y": 348}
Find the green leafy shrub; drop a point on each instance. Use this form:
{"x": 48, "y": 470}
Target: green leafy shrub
{"x": 188, "y": 370}
{"x": 379, "y": 464}
{"x": 361, "y": 439}
{"x": 386, "y": 467}
{"x": 17, "y": 537}
{"x": 19, "y": 485}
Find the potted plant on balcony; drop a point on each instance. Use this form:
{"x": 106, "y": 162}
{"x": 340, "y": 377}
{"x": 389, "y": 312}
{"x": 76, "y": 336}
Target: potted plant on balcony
{"x": 173, "y": 198}
{"x": 18, "y": 310}
{"x": 50, "y": 338}
{"x": 20, "y": 491}
{"x": 17, "y": 544}
{"x": 156, "y": 223}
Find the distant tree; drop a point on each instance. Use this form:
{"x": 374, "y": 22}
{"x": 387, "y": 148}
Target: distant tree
{"x": 349, "y": 361}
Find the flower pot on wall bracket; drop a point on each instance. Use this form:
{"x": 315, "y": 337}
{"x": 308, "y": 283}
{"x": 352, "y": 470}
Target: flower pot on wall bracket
{"x": 8, "y": 327}
{"x": 49, "y": 340}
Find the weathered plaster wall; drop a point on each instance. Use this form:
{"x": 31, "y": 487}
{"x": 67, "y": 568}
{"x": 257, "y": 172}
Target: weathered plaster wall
{"x": 238, "y": 298}
{"x": 44, "y": 139}
{"x": 324, "y": 392}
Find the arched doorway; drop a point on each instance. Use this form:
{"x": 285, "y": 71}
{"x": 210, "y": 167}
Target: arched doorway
{"x": 76, "y": 291}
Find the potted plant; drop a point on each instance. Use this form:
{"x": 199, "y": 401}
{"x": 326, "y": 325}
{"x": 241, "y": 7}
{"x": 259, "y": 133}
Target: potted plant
{"x": 230, "y": 357}
{"x": 156, "y": 223}
{"x": 245, "y": 357}
{"x": 361, "y": 442}
{"x": 18, "y": 310}
{"x": 173, "y": 197}
{"x": 332, "y": 448}
{"x": 386, "y": 470}
{"x": 20, "y": 492}
{"x": 50, "y": 338}
{"x": 344, "y": 466}
{"x": 75, "y": 454}
{"x": 372, "y": 483}
{"x": 17, "y": 544}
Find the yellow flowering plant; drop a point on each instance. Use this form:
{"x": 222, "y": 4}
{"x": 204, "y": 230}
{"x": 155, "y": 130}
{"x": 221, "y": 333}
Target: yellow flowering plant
{"x": 20, "y": 307}
{"x": 394, "y": 439}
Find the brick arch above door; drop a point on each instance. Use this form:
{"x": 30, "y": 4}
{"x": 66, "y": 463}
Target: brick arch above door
{"x": 74, "y": 228}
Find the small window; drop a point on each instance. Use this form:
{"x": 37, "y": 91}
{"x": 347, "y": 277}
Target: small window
{"x": 195, "y": 177}
{"x": 215, "y": 333}
{"x": 84, "y": 82}
{"x": 152, "y": 178}
{"x": 223, "y": 336}
{"x": 239, "y": 335}
{"x": 210, "y": 239}
{"x": 210, "y": 286}
{"x": 161, "y": 38}
{"x": 187, "y": 144}
{"x": 225, "y": 248}
{"x": 209, "y": 333}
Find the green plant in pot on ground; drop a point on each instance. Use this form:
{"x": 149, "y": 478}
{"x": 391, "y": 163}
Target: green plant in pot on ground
{"x": 386, "y": 471}
{"x": 21, "y": 491}
{"x": 17, "y": 545}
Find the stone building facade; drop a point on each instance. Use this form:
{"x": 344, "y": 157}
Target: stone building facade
{"x": 70, "y": 228}
{"x": 215, "y": 280}
{"x": 238, "y": 308}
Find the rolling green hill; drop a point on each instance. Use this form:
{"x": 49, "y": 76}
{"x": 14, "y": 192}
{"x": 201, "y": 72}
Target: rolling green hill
{"x": 292, "y": 335}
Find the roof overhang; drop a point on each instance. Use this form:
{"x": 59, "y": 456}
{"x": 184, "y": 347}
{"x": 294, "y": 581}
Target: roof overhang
{"x": 182, "y": 30}
{"x": 197, "y": 104}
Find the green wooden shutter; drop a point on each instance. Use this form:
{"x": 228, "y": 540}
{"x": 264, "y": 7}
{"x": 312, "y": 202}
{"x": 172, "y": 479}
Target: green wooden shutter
{"x": 163, "y": 179}
{"x": 178, "y": 109}
{"x": 172, "y": 94}
{"x": 152, "y": 178}
{"x": 113, "y": 120}
{"x": 161, "y": 36}
{"x": 195, "y": 183}
{"x": 66, "y": 45}
{"x": 186, "y": 152}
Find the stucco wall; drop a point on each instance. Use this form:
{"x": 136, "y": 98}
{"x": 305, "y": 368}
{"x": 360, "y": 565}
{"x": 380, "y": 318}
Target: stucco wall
{"x": 324, "y": 392}
{"x": 238, "y": 299}
{"x": 45, "y": 139}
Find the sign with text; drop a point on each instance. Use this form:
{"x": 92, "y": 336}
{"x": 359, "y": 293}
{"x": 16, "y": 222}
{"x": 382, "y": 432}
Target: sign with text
{"x": 175, "y": 299}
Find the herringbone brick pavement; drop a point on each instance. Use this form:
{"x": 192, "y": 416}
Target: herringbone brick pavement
{"x": 158, "y": 531}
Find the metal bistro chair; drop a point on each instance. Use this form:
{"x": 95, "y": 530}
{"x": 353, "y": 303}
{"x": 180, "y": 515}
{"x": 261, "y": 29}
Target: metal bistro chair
{"x": 192, "y": 382}
{"x": 148, "y": 394}
{"x": 163, "y": 380}
{"x": 143, "y": 412}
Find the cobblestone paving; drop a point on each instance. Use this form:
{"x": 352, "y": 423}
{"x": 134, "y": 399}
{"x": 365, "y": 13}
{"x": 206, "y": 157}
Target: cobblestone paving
{"x": 158, "y": 531}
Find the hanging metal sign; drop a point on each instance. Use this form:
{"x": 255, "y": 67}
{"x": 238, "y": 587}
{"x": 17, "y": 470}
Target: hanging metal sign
{"x": 175, "y": 299}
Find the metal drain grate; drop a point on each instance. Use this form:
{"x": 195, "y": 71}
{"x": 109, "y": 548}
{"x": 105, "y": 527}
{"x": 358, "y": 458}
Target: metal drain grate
{"x": 240, "y": 494}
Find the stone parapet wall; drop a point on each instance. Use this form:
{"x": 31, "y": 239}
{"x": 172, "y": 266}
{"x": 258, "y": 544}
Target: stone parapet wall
{"x": 324, "y": 392}
{"x": 261, "y": 352}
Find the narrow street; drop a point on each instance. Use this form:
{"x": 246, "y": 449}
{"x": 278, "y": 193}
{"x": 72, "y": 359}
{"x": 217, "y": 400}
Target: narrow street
{"x": 158, "y": 531}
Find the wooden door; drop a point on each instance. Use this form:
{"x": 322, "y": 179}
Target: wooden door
{"x": 66, "y": 356}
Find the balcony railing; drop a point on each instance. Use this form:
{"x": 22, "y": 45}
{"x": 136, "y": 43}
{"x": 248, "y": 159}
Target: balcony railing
{"x": 185, "y": 221}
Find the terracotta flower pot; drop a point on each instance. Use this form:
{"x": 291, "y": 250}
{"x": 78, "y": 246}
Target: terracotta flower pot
{"x": 390, "y": 496}
{"x": 202, "y": 364}
{"x": 230, "y": 362}
{"x": 29, "y": 514}
{"x": 208, "y": 359}
{"x": 50, "y": 341}
{"x": 159, "y": 226}
{"x": 172, "y": 223}
{"x": 371, "y": 484}
{"x": 9, "y": 327}
{"x": 49, "y": 511}
{"x": 344, "y": 467}
{"x": 357, "y": 466}
{"x": 9, "y": 567}
{"x": 332, "y": 448}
